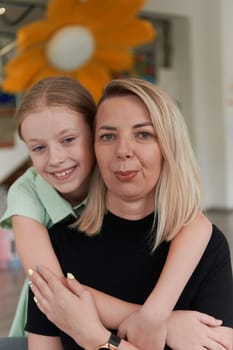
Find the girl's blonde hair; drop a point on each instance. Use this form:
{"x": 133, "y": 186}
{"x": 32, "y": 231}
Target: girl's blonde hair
{"x": 178, "y": 191}
{"x": 57, "y": 91}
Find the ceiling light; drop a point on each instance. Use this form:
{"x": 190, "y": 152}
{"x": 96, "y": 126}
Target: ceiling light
{"x": 2, "y": 10}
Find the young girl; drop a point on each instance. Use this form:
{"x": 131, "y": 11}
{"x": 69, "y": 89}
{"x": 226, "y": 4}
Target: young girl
{"x": 55, "y": 121}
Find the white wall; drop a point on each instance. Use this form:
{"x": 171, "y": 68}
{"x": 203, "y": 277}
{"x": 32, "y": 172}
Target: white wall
{"x": 227, "y": 89}
{"x": 12, "y": 157}
{"x": 203, "y": 69}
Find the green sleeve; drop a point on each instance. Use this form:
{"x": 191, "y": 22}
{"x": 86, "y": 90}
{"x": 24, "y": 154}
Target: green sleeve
{"x": 20, "y": 317}
{"x": 22, "y": 199}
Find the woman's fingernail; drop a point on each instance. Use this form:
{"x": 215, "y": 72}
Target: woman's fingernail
{"x": 37, "y": 268}
{"x": 70, "y": 276}
{"x": 30, "y": 284}
{"x": 35, "y": 299}
{"x": 30, "y": 272}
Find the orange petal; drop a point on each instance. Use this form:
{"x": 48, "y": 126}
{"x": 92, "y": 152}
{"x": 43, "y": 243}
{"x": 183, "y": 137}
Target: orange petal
{"x": 46, "y": 72}
{"x": 20, "y": 76}
{"x": 60, "y": 8}
{"x": 89, "y": 11}
{"x": 13, "y": 87}
{"x": 34, "y": 33}
{"x": 93, "y": 76}
{"x": 137, "y": 32}
{"x": 32, "y": 55}
{"x": 119, "y": 14}
{"x": 41, "y": 31}
{"x": 115, "y": 60}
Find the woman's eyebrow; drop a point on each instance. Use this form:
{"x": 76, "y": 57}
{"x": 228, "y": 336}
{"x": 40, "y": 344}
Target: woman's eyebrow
{"x": 107, "y": 127}
{"x": 139, "y": 125}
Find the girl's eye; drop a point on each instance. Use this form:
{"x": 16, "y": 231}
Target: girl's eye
{"x": 38, "y": 148}
{"x": 107, "y": 137}
{"x": 68, "y": 139}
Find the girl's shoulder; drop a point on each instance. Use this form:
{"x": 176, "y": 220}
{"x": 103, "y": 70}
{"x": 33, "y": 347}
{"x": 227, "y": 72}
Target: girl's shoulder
{"x": 23, "y": 198}
{"x": 27, "y": 180}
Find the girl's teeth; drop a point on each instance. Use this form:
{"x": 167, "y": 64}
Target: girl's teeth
{"x": 63, "y": 173}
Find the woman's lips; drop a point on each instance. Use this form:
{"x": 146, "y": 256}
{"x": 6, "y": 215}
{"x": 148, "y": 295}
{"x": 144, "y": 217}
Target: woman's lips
{"x": 126, "y": 175}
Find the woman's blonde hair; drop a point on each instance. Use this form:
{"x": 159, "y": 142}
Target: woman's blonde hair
{"x": 178, "y": 191}
{"x": 57, "y": 91}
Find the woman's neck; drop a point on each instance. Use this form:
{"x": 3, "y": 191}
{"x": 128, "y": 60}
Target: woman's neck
{"x": 130, "y": 209}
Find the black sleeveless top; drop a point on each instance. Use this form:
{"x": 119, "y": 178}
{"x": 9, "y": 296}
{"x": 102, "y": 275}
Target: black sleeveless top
{"x": 119, "y": 262}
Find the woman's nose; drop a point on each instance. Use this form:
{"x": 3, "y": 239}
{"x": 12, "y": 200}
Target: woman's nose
{"x": 124, "y": 149}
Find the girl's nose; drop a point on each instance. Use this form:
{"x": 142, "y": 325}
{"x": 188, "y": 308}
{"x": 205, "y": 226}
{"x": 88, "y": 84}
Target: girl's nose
{"x": 56, "y": 155}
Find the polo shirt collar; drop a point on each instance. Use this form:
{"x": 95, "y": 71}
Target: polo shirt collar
{"x": 56, "y": 206}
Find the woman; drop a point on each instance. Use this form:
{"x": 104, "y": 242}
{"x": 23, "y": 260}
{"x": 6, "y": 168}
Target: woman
{"x": 55, "y": 120}
{"x": 150, "y": 189}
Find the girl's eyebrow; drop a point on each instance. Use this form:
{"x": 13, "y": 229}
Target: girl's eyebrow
{"x": 136, "y": 126}
{"x": 33, "y": 140}
{"x": 59, "y": 134}
{"x": 68, "y": 130}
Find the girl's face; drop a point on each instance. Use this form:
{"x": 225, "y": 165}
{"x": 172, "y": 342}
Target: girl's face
{"x": 60, "y": 146}
{"x": 127, "y": 151}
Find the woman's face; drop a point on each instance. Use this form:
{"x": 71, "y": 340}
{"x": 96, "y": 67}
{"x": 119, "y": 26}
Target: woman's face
{"x": 61, "y": 149}
{"x": 127, "y": 150}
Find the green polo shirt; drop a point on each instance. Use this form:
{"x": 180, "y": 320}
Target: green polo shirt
{"x": 33, "y": 197}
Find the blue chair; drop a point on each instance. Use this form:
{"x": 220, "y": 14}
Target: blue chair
{"x": 13, "y": 343}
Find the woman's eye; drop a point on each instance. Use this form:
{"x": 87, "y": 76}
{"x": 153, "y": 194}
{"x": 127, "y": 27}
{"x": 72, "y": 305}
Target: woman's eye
{"x": 37, "y": 148}
{"x": 107, "y": 137}
{"x": 68, "y": 139}
{"x": 144, "y": 135}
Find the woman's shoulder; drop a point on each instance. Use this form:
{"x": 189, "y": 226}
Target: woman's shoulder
{"x": 217, "y": 252}
{"x": 218, "y": 240}
{"x": 210, "y": 287}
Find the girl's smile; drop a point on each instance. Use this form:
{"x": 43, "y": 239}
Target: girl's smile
{"x": 61, "y": 152}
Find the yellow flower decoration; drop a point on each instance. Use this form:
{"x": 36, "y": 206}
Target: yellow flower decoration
{"x": 84, "y": 39}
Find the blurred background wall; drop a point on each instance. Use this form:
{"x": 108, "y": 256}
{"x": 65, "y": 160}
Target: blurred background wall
{"x": 195, "y": 67}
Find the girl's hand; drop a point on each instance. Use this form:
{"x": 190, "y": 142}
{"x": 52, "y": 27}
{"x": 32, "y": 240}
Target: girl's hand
{"x": 145, "y": 330}
{"x": 69, "y": 306}
{"x": 194, "y": 330}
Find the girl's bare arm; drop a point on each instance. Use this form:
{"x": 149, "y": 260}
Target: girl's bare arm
{"x": 37, "y": 342}
{"x": 34, "y": 248}
{"x": 33, "y": 244}
{"x": 72, "y": 309}
{"x": 147, "y": 327}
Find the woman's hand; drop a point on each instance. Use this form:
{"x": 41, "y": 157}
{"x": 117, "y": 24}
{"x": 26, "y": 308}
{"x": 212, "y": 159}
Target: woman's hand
{"x": 193, "y": 330}
{"x": 69, "y": 306}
